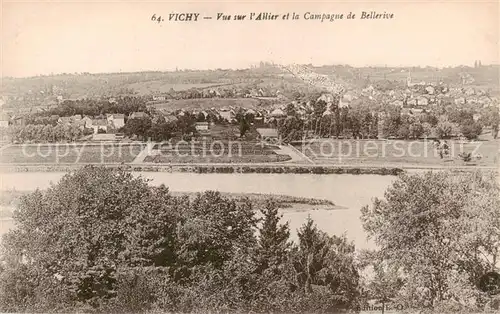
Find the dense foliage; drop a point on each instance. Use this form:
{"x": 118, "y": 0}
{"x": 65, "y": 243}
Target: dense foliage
{"x": 104, "y": 240}
{"x": 91, "y": 107}
{"x": 438, "y": 236}
{"x": 40, "y": 133}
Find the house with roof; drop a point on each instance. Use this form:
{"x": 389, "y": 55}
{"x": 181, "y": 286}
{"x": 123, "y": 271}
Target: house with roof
{"x": 99, "y": 125}
{"x": 327, "y": 98}
{"x": 138, "y": 115}
{"x": 117, "y": 120}
{"x": 267, "y": 133}
{"x": 278, "y": 113}
{"x": 227, "y": 114}
{"x": 327, "y": 112}
{"x": 87, "y": 122}
{"x": 250, "y": 111}
{"x": 201, "y": 126}
{"x": 422, "y": 101}
{"x": 18, "y": 120}
{"x": 80, "y": 124}
{"x": 159, "y": 97}
{"x": 64, "y": 120}
{"x": 170, "y": 118}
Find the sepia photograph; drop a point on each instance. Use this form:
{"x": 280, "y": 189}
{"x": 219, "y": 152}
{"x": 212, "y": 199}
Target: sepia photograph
{"x": 250, "y": 157}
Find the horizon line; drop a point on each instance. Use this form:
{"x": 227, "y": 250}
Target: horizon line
{"x": 250, "y": 67}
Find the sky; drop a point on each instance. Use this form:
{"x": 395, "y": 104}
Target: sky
{"x": 40, "y": 38}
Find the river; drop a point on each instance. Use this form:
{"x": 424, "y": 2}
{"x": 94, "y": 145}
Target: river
{"x": 350, "y": 192}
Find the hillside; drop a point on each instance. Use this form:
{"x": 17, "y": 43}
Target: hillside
{"x": 72, "y": 86}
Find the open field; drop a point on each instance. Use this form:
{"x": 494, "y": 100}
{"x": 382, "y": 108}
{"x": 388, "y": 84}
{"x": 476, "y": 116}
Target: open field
{"x": 399, "y": 153}
{"x": 70, "y": 153}
{"x": 207, "y": 103}
{"x": 215, "y": 152}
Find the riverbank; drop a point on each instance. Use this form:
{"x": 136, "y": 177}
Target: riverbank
{"x": 9, "y": 199}
{"x": 214, "y": 168}
{"x": 240, "y": 168}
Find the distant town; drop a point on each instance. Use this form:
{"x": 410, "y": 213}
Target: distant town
{"x": 283, "y": 106}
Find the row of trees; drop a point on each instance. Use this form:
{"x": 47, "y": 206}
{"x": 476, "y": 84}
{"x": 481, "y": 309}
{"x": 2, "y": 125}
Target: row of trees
{"x": 361, "y": 122}
{"x": 104, "y": 239}
{"x": 40, "y": 133}
{"x": 91, "y": 107}
{"x": 356, "y": 123}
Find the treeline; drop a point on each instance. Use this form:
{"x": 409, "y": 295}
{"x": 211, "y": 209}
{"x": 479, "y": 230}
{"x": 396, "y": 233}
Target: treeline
{"x": 39, "y": 133}
{"x": 362, "y": 122}
{"x": 160, "y": 128}
{"x": 91, "y": 107}
{"x": 338, "y": 122}
{"x": 106, "y": 241}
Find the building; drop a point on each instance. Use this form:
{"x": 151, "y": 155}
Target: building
{"x": 99, "y": 125}
{"x": 87, "y": 122}
{"x": 138, "y": 115}
{"x": 278, "y": 113}
{"x": 170, "y": 118}
{"x": 267, "y": 134}
{"x": 328, "y": 98}
{"x": 159, "y": 98}
{"x": 201, "y": 126}
{"x": 422, "y": 101}
{"x": 64, "y": 120}
{"x": 117, "y": 120}
{"x": 227, "y": 115}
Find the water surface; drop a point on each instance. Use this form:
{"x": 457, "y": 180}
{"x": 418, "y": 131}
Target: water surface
{"x": 351, "y": 192}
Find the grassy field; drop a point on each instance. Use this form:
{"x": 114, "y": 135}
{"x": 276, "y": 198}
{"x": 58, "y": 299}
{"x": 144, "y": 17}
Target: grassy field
{"x": 70, "y": 153}
{"x": 398, "y": 152}
{"x": 215, "y": 152}
{"x": 207, "y": 103}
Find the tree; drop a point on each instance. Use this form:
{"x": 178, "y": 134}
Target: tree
{"x": 87, "y": 226}
{"x": 138, "y": 126}
{"x": 385, "y": 282}
{"x": 326, "y": 261}
{"x": 444, "y": 129}
{"x": 244, "y": 126}
{"x": 290, "y": 110}
{"x": 429, "y": 226}
{"x": 214, "y": 229}
{"x": 403, "y": 132}
{"x": 391, "y": 124}
{"x": 416, "y": 130}
{"x": 471, "y": 130}
{"x": 273, "y": 247}
{"x": 291, "y": 128}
